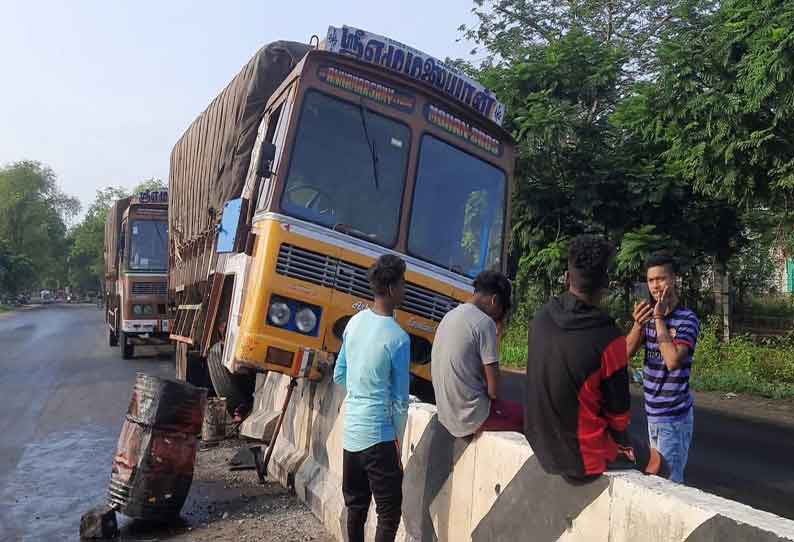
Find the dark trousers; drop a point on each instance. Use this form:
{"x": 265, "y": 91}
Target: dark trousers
{"x": 374, "y": 472}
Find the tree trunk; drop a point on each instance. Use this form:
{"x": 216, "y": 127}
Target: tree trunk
{"x": 722, "y": 298}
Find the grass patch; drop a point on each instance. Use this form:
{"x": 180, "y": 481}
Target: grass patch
{"x": 744, "y": 366}
{"x": 5, "y": 308}
{"x": 740, "y": 366}
{"x": 513, "y": 350}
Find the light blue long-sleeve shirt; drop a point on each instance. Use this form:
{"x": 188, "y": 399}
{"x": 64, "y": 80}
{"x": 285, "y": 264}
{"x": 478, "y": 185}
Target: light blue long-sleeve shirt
{"x": 373, "y": 365}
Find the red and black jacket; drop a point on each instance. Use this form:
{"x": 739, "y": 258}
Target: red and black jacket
{"x": 577, "y": 390}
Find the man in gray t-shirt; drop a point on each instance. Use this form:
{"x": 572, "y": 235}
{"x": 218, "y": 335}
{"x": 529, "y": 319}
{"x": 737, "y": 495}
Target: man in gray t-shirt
{"x": 465, "y": 362}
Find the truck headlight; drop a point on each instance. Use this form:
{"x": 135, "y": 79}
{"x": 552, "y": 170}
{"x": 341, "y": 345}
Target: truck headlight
{"x": 279, "y": 313}
{"x": 148, "y": 309}
{"x": 305, "y": 320}
{"x": 137, "y": 310}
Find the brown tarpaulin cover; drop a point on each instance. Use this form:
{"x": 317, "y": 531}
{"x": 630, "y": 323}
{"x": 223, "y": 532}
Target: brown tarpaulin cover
{"x": 210, "y": 161}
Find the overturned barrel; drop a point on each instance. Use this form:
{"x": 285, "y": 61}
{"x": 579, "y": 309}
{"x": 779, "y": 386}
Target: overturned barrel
{"x": 153, "y": 466}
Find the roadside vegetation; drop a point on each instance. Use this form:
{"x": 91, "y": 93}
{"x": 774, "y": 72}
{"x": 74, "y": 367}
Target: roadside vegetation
{"x": 41, "y": 244}
{"x": 745, "y": 364}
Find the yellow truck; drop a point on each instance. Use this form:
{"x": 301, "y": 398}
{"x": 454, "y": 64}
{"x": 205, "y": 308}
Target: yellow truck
{"x": 310, "y": 164}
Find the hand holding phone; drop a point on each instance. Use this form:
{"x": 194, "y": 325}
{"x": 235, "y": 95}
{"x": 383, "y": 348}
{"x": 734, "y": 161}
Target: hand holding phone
{"x": 643, "y": 313}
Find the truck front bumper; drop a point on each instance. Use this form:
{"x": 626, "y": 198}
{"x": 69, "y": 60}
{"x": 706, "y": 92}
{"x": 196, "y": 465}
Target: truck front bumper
{"x": 144, "y": 326}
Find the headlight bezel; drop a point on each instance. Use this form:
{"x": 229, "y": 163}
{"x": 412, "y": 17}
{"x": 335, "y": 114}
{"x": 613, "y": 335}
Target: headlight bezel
{"x": 294, "y": 307}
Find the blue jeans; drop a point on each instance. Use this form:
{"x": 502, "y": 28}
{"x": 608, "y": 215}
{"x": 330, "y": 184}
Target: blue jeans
{"x": 672, "y": 439}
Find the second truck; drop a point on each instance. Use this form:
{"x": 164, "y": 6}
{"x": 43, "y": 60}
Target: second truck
{"x": 136, "y": 271}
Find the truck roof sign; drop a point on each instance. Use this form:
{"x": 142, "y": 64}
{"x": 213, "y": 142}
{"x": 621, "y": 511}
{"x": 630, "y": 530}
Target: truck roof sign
{"x": 150, "y": 196}
{"x": 413, "y": 63}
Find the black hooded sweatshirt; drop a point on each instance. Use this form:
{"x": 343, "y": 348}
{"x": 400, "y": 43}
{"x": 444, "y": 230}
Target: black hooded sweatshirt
{"x": 576, "y": 410}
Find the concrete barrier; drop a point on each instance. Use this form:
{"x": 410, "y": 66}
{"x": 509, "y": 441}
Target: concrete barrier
{"x": 270, "y": 391}
{"x": 491, "y": 488}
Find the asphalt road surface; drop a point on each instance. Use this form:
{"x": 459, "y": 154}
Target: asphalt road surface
{"x": 63, "y": 396}
{"x": 741, "y": 450}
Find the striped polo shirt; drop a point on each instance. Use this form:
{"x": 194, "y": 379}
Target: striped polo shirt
{"x": 667, "y": 395}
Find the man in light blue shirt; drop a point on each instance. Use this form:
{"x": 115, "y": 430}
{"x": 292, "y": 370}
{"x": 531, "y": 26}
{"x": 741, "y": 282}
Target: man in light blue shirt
{"x": 373, "y": 366}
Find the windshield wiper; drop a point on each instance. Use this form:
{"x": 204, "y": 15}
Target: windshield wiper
{"x": 370, "y": 143}
{"x": 350, "y": 230}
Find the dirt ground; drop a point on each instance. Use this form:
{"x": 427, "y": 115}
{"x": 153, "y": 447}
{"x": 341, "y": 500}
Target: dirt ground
{"x": 232, "y": 505}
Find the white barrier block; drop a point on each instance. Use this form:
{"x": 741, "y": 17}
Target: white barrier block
{"x": 650, "y": 508}
{"x": 503, "y": 454}
{"x": 271, "y": 389}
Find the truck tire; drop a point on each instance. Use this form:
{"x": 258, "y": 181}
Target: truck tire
{"x": 225, "y": 383}
{"x": 113, "y": 339}
{"x": 127, "y": 348}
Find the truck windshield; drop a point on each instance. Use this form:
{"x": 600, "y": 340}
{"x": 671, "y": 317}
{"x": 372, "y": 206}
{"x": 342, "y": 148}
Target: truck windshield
{"x": 348, "y": 169}
{"x": 458, "y": 209}
{"x": 149, "y": 246}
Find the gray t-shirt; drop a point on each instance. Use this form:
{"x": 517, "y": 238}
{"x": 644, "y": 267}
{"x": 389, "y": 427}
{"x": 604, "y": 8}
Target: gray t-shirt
{"x": 465, "y": 341}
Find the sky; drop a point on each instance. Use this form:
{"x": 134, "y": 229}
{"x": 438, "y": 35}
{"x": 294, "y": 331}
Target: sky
{"x": 101, "y": 90}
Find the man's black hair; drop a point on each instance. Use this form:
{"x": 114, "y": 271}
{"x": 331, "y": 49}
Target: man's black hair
{"x": 588, "y": 263}
{"x": 661, "y": 258}
{"x": 495, "y": 283}
{"x": 387, "y": 271}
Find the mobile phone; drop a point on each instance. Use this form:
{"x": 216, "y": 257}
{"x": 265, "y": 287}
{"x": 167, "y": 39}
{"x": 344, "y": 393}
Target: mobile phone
{"x": 645, "y": 295}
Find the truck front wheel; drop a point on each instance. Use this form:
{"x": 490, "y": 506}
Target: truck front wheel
{"x": 127, "y": 348}
{"x": 237, "y": 389}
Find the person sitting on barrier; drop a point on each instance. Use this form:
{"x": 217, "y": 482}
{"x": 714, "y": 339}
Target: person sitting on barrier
{"x": 465, "y": 362}
{"x": 577, "y": 397}
{"x": 373, "y": 366}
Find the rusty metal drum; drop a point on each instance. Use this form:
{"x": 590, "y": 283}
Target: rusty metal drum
{"x": 153, "y": 466}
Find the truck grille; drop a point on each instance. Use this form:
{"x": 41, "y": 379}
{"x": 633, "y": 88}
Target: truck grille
{"x": 349, "y": 278}
{"x": 149, "y": 288}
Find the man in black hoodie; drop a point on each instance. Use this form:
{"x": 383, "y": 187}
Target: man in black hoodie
{"x": 576, "y": 413}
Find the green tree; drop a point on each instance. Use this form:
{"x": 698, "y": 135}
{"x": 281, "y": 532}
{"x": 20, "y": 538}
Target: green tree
{"x": 86, "y": 257}
{"x": 16, "y": 271}
{"x": 572, "y": 76}
{"x": 151, "y": 184}
{"x": 34, "y": 214}
{"x": 724, "y": 101}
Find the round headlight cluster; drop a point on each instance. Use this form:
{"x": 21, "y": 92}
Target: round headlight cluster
{"x": 279, "y": 313}
{"x": 141, "y": 310}
{"x": 305, "y": 320}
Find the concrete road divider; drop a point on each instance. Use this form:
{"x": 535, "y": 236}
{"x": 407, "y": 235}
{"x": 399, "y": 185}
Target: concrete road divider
{"x": 271, "y": 388}
{"x": 491, "y": 488}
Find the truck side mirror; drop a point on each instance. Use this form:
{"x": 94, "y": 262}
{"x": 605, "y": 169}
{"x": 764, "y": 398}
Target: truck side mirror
{"x": 227, "y": 229}
{"x": 267, "y": 153}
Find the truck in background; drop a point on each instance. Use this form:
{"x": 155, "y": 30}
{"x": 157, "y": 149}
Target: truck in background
{"x": 136, "y": 271}
{"x": 309, "y": 165}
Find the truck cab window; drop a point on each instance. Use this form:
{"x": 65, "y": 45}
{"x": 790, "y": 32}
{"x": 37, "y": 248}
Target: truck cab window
{"x": 148, "y": 245}
{"x": 348, "y": 169}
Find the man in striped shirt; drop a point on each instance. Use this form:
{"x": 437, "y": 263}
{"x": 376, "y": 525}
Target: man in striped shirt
{"x": 670, "y": 334}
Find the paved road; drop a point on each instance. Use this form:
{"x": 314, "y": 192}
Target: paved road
{"x": 733, "y": 455}
{"x": 63, "y": 395}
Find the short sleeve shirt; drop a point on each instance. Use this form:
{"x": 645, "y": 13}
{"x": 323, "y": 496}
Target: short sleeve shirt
{"x": 667, "y": 394}
{"x": 465, "y": 342}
